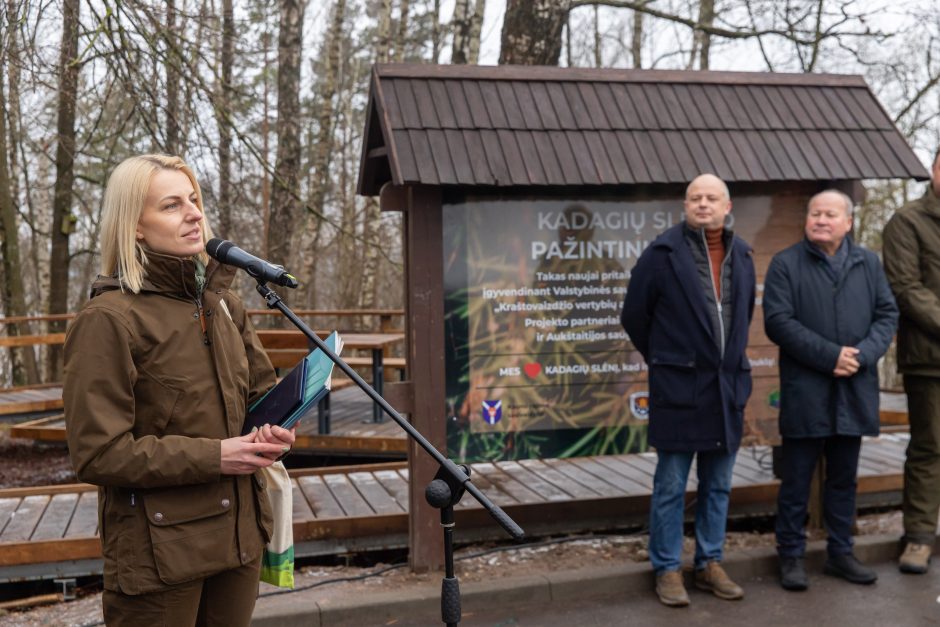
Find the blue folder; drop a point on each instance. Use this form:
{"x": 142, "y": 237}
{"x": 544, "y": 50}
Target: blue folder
{"x": 297, "y": 393}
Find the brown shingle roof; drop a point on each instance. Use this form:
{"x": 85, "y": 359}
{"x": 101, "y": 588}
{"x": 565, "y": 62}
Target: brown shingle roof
{"x": 533, "y": 126}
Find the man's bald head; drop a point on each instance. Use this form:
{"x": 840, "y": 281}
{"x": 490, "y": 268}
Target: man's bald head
{"x": 707, "y": 202}
{"x": 709, "y": 179}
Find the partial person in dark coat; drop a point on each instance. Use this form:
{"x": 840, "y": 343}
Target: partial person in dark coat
{"x": 828, "y": 305}
{"x": 687, "y": 310}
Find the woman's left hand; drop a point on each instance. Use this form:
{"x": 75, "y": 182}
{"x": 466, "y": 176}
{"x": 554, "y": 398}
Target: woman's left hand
{"x": 276, "y": 435}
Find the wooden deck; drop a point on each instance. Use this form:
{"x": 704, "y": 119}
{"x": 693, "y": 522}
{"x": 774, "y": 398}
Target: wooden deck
{"x": 30, "y": 399}
{"x": 352, "y": 431}
{"x": 355, "y": 508}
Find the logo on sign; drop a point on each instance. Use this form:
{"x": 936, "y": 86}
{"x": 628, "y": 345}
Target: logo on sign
{"x": 532, "y": 369}
{"x": 492, "y": 411}
{"x": 773, "y": 399}
{"x": 640, "y": 405}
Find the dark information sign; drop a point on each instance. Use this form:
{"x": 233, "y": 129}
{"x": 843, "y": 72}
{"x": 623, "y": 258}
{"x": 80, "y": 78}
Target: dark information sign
{"x": 537, "y": 362}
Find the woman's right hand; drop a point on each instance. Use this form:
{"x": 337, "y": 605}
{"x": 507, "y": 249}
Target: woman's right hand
{"x": 243, "y": 456}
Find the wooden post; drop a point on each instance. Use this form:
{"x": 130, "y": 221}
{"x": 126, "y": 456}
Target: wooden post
{"x": 424, "y": 328}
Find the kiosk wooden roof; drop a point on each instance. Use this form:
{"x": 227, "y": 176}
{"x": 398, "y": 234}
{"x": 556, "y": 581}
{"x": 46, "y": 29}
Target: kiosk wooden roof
{"x": 536, "y": 126}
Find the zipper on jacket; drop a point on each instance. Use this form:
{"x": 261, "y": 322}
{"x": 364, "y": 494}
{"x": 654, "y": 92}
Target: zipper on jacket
{"x": 133, "y": 500}
{"x": 711, "y": 277}
{"x": 202, "y": 322}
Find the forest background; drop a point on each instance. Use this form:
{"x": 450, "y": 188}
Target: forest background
{"x": 265, "y": 99}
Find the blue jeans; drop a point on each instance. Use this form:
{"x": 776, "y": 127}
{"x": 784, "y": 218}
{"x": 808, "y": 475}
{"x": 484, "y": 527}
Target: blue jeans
{"x": 667, "y": 508}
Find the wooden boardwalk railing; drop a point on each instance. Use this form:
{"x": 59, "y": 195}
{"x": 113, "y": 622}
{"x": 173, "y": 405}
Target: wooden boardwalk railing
{"x": 366, "y": 507}
{"x": 285, "y": 348}
{"x": 350, "y": 434}
{"x": 385, "y": 316}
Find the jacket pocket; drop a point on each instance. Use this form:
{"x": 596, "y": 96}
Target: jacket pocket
{"x": 743, "y": 384}
{"x": 673, "y": 380}
{"x": 187, "y": 530}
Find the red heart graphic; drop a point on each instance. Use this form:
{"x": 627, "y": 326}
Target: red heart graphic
{"x": 533, "y": 369}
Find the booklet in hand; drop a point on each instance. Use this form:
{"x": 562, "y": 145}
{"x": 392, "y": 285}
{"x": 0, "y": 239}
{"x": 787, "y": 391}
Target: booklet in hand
{"x": 297, "y": 393}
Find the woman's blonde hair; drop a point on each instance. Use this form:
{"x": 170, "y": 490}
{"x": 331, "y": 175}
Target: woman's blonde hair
{"x": 124, "y": 198}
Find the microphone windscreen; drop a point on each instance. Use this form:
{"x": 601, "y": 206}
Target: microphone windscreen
{"x": 217, "y": 248}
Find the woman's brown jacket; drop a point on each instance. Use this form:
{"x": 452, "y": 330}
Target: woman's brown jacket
{"x": 153, "y": 382}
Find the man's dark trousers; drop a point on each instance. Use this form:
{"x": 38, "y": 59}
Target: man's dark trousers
{"x": 799, "y": 461}
{"x": 922, "y": 467}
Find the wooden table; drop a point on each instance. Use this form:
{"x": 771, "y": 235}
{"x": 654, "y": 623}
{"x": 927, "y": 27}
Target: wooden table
{"x": 286, "y": 347}
{"x": 377, "y": 343}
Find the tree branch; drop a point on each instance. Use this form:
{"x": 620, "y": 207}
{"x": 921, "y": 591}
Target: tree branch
{"x": 737, "y": 33}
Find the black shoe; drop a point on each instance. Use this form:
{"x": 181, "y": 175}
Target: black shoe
{"x": 850, "y": 569}
{"x": 793, "y": 574}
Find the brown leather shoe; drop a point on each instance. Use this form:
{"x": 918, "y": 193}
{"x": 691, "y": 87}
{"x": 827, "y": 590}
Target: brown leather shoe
{"x": 714, "y": 578}
{"x": 671, "y": 590}
{"x": 915, "y": 559}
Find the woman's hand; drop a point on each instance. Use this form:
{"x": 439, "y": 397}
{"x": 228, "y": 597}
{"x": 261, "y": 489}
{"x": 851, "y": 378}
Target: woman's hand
{"x": 244, "y": 455}
{"x": 276, "y": 435}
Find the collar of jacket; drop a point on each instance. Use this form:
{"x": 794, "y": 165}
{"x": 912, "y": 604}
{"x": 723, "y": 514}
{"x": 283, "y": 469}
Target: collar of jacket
{"x": 853, "y": 254}
{"x": 698, "y": 236}
{"x": 174, "y": 276}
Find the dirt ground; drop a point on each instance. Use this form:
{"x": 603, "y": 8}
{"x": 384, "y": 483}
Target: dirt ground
{"x": 24, "y": 463}
{"x": 474, "y": 563}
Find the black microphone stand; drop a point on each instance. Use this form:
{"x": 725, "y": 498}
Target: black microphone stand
{"x": 448, "y": 485}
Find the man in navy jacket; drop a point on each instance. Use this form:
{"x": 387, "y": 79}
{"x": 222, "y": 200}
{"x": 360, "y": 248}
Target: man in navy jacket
{"x": 687, "y": 310}
{"x": 828, "y": 305}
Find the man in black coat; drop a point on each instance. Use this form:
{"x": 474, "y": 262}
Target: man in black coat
{"x": 828, "y": 305}
{"x": 687, "y": 310}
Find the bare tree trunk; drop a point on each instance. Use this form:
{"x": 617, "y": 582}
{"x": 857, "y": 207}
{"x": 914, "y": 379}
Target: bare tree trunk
{"x": 818, "y": 34}
{"x": 63, "y": 222}
{"x": 266, "y": 146}
{"x": 24, "y": 367}
{"x": 224, "y": 116}
{"x": 460, "y": 25}
{"x": 172, "y": 81}
{"x": 324, "y": 148}
{"x": 401, "y": 40}
{"x": 369, "y": 293}
{"x": 350, "y": 272}
{"x": 532, "y": 31}
{"x": 436, "y": 32}
{"x": 597, "y": 37}
{"x": 476, "y": 28}
{"x": 568, "y": 55}
{"x": 285, "y": 191}
{"x": 636, "y": 43}
{"x": 384, "y": 33}
{"x": 703, "y": 39}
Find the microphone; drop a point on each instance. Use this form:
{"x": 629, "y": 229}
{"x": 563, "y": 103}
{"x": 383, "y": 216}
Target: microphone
{"x": 228, "y": 253}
